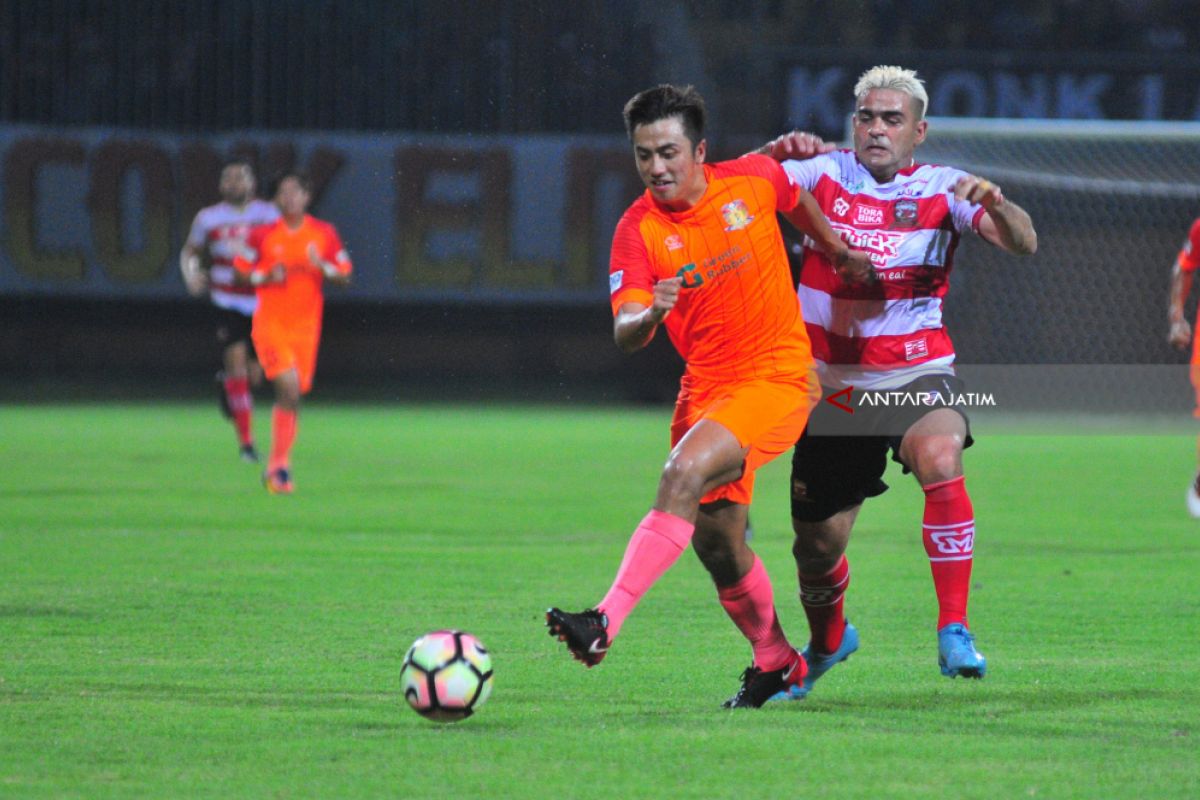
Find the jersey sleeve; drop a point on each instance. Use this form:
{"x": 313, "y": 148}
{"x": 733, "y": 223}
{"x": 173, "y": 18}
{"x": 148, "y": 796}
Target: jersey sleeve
{"x": 630, "y": 274}
{"x": 335, "y": 251}
{"x": 805, "y": 173}
{"x": 966, "y": 215}
{"x": 198, "y": 234}
{"x": 1189, "y": 254}
{"x": 787, "y": 191}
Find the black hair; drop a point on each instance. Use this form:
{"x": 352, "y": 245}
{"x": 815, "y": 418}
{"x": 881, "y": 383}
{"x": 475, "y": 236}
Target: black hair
{"x": 665, "y": 101}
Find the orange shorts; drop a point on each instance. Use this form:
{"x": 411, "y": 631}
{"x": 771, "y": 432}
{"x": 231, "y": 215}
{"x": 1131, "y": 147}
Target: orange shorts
{"x": 767, "y": 416}
{"x": 280, "y": 350}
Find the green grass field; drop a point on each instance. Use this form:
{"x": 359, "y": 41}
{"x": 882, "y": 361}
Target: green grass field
{"x": 167, "y": 629}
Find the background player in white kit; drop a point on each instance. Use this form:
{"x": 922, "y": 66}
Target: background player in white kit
{"x": 887, "y": 336}
{"x": 219, "y": 231}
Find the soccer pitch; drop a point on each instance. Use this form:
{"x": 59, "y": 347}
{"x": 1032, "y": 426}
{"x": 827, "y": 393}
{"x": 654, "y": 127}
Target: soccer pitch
{"x": 167, "y": 629}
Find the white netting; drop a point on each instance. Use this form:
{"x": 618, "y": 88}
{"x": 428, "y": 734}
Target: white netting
{"x": 1112, "y": 202}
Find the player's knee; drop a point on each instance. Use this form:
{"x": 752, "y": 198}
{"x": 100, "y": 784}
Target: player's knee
{"x": 682, "y": 479}
{"x": 936, "y": 458}
{"x": 816, "y": 546}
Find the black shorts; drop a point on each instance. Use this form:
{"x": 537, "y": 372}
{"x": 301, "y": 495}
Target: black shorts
{"x": 232, "y": 327}
{"x": 833, "y": 472}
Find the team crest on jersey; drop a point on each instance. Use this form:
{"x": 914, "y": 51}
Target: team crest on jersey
{"x": 674, "y": 242}
{"x": 905, "y": 213}
{"x": 915, "y": 349}
{"x": 614, "y": 281}
{"x": 736, "y": 214}
{"x": 840, "y": 206}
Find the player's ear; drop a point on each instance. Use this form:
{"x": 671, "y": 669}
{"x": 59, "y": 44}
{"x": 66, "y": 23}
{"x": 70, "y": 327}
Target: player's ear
{"x": 922, "y": 129}
{"x": 700, "y": 150}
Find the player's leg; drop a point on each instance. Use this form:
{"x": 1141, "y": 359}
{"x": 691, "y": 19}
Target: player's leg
{"x": 279, "y": 364}
{"x": 238, "y": 399}
{"x": 932, "y": 448}
{"x": 1193, "y": 492}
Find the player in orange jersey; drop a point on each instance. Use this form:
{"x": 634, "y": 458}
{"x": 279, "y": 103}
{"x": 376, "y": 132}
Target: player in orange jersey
{"x": 288, "y": 262}
{"x": 1180, "y": 333}
{"x": 701, "y": 254}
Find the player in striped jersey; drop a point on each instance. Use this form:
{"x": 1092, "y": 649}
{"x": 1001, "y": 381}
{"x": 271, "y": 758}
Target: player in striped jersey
{"x": 887, "y": 336}
{"x": 1180, "y": 332}
{"x": 219, "y": 231}
{"x": 701, "y": 254}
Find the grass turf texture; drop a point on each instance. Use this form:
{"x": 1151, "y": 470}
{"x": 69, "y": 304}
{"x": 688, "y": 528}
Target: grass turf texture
{"x": 168, "y": 629}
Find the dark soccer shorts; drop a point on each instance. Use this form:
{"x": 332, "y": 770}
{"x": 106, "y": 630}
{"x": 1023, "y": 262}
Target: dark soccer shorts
{"x": 840, "y": 458}
{"x": 232, "y": 327}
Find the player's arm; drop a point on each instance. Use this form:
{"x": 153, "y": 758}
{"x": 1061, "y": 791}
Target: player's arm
{"x": 251, "y": 270}
{"x": 1005, "y": 224}
{"x": 635, "y": 323}
{"x": 194, "y": 276}
{"x": 854, "y": 266}
{"x": 336, "y": 267}
{"x": 1180, "y": 332}
{"x": 796, "y": 145}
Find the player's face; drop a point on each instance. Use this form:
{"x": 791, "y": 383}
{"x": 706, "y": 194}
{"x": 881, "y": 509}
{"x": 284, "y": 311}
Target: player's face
{"x": 887, "y": 132}
{"x": 291, "y": 198}
{"x": 668, "y": 164}
{"x": 237, "y": 184}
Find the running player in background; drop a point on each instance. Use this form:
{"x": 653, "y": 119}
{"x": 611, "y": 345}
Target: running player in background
{"x": 1180, "y": 334}
{"x": 701, "y": 254}
{"x": 288, "y": 263}
{"x": 887, "y": 336}
{"x": 219, "y": 232}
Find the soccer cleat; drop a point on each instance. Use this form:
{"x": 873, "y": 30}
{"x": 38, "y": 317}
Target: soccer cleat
{"x": 1193, "y": 500}
{"x": 820, "y": 663}
{"x": 758, "y": 686}
{"x": 957, "y": 654}
{"x": 278, "y": 481}
{"x": 248, "y": 454}
{"x": 585, "y": 633}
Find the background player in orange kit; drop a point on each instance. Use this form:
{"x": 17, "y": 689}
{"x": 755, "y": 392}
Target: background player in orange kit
{"x": 219, "y": 231}
{"x": 288, "y": 262}
{"x": 1180, "y": 333}
{"x": 701, "y": 253}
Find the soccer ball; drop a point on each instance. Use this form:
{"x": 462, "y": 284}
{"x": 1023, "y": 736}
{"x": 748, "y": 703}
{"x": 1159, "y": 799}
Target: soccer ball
{"x": 446, "y": 675}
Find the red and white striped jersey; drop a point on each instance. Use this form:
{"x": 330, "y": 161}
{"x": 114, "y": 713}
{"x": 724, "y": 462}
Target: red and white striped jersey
{"x": 222, "y": 230}
{"x": 885, "y": 335}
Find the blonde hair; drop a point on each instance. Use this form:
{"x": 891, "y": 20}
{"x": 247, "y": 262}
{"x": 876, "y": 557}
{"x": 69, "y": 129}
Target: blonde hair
{"x": 897, "y": 78}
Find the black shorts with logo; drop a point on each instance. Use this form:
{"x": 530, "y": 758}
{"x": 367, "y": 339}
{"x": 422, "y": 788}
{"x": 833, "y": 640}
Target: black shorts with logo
{"x": 232, "y": 327}
{"x": 841, "y": 457}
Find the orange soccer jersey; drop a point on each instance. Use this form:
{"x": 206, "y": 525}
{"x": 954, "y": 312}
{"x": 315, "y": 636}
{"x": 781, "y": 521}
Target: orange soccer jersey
{"x": 287, "y": 323}
{"x": 737, "y": 322}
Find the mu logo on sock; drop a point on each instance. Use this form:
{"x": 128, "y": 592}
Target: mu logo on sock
{"x": 958, "y": 540}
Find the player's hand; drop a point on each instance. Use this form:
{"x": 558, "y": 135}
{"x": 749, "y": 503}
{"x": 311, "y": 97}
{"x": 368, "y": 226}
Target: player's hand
{"x": 980, "y": 191}
{"x": 666, "y": 295}
{"x": 276, "y": 274}
{"x": 1180, "y": 335}
{"x": 196, "y": 282}
{"x": 799, "y": 145}
{"x": 855, "y": 267}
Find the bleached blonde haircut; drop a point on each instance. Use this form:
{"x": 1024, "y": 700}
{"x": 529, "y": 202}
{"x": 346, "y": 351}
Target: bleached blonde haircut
{"x": 897, "y": 78}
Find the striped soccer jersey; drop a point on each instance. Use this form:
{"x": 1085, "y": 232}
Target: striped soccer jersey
{"x": 222, "y": 229}
{"x": 886, "y": 335}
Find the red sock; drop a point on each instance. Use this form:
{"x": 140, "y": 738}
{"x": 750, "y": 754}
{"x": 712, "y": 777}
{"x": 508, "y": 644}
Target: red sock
{"x": 283, "y": 433}
{"x": 241, "y": 405}
{"x": 656, "y": 544}
{"x": 949, "y": 534}
{"x": 823, "y": 598}
{"x": 750, "y": 603}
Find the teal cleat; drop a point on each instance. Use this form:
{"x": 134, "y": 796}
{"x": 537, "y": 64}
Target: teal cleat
{"x": 957, "y": 654}
{"x": 820, "y": 663}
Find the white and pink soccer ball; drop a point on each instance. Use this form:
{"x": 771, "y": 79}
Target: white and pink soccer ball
{"x": 446, "y": 675}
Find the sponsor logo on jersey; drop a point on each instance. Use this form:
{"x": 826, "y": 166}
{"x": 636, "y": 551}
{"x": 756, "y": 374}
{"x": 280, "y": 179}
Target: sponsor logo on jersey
{"x": 917, "y": 348}
{"x": 867, "y": 215}
{"x": 737, "y": 215}
{"x": 614, "y": 281}
{"x": 840, "y": 206}
{"x": 914, "y": 188}
{"x": 692, "y": 278}
{"x": 881, "y": 245}
{"x": 905, "y": 213}
{"x": 674, "y": 242}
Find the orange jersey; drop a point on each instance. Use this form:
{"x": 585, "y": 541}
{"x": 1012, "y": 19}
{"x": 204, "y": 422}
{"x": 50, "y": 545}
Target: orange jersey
{"x": 296, "y": 303}
{"x": 1189, "y": 255}
{"x": 737, "y": 317}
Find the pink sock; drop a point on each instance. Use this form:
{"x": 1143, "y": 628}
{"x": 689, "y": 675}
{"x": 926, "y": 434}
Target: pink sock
{"x": 949, "y": 534}
{"x": 823, "y": 598}
{"x": 241, "y": 406}
{"x": 750, "y": 603}
{"x": 657, "y": 543}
